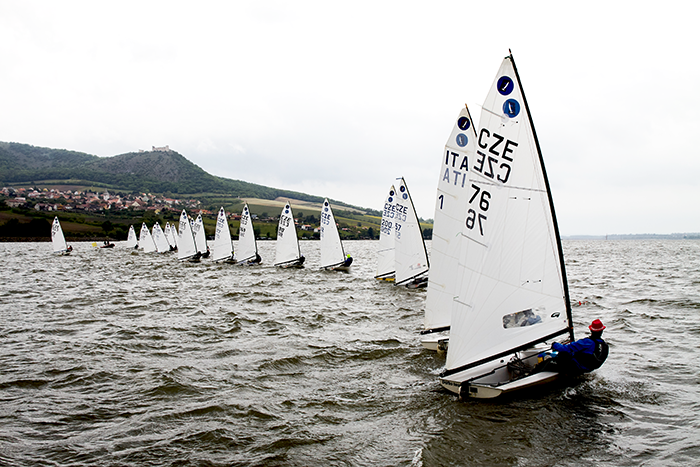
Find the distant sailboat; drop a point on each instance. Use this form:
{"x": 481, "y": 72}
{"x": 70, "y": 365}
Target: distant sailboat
{"x": 162, "y": 245}
{"x": 131, "y": 241}
{"x": 288, "y": 254}
{"x": 332, "y": 253}
{"x": 247, "y": 251}
{"x": 186, "y": 248}
{"x": 146, "y": 242}
{"x": 58, "y": 240}
{"x": 200, "y": 237}
{"x": 453, "y": 194}
{"x": 171, "y": 235}
{"x": 512, "y": 294}
{"x": 386, "y": 266}
{"x": 223, "y": 248}
{"x": 411, "y": 257}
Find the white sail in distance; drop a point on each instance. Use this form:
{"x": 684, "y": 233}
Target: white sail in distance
{"x": 58, "y": 240}
{"x": 223, "y": 248}
{"x": 131, "y": 240}
{"x": 512, "y": 290}
{"x": 247, "y": 246}
{"x": 200, "y": 237}
{"x": 162, "y": 245}
{"x": 411, "y": 257}
{"x": 385, "y": 249}
{"x": 146, "y": 242}
{"x": 287, "y": 245}
{"x": 332, "y": 253}
{"x": 186, "y": 247}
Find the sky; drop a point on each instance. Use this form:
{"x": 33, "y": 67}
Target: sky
{"x": 338, "y": 99}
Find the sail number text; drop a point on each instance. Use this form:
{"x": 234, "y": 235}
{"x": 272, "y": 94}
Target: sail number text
{"x": 481, "y": 204}
{"x": 497, "y": 167}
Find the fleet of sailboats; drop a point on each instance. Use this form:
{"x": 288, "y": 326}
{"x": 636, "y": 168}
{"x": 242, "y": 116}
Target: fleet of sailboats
{"x": 497, "y": 283}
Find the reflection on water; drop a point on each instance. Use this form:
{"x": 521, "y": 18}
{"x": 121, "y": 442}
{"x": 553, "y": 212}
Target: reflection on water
{"x": 111, "y": 357}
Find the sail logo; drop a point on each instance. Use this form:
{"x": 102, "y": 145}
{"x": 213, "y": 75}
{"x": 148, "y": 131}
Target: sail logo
{"x": 505, "y": 85}
{"x": 511, "y": 108}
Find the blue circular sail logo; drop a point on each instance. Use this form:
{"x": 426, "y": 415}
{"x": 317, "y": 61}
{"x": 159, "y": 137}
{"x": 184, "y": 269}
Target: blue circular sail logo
{"x": 391, "y": 200}
{"x": 325, "y": 209}
{"x": 402, "y": 188}
{"x": 405, "y": 196}
{"x": 326, "y": 203}
{"x": 286, "y": 211}
{"x": 462, "y": 140}
{"x": 463, "y": 123}
{"x": 511, "y": 108}
{"x": 505, "y": 85}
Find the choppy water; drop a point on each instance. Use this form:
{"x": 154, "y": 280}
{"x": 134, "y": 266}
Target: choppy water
{"x": 113, "y": 358}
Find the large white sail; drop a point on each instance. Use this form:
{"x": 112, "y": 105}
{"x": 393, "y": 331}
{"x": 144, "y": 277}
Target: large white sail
{"x": 512, "y": 290}
{"x": 332, "y": 253}
{"x": 200, "y": 237}
{"x": 385, "y": 249}
{"x": 131, "y": 240}
{"x": 186, "y": 247}
{"x": 409, "y": 248}
{"x": 170, "y": 235}
{"x": 161, "y": 242}
{"x": 223, "y": 248}
{"x": 57, "y": 239}
{"x": 247, "y": 246}
{"x": 450, "y": 206}
{"x": 287, "y": 247}
{"x": 146, "y": 242}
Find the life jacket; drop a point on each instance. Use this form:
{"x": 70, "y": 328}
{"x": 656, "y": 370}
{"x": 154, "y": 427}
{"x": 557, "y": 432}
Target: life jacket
{"x": 593, "y": 361}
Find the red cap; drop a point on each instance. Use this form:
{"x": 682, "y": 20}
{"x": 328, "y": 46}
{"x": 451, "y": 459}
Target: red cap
{"x": 596, "y": 326}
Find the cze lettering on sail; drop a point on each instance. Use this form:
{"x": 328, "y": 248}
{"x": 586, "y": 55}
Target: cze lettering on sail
{"x": 495, "y": 162}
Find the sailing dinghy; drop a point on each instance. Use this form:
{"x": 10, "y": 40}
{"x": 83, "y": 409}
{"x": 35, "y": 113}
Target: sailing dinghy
{"x": 223, "y": 248}
{"x": 411, "y": 257}
{"x": 385, "y": 251}
{"x": 452, "y": 198}
{"x": 332, "y": 253}
{"x": 186, "y": 248}
{"x": 131, "y": 241}
{"x": 146, "y": 242}
{"x": 288, "y": 254}
{"x": 162, "y": 245}
{"x": 513, "y": 298}
{"x": 247, "y": 252}
{"x": 200, "y": 236}
{"x": 58, "y": 241}
{"x": 171, "y": 235}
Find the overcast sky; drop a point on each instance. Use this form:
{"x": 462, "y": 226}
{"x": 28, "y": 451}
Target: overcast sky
{"x": 338, "y": 99}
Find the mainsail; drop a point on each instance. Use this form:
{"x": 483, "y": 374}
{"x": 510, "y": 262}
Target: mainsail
{"x": 161, "y": 242}
{"x": 385, "y": 250}
{"x": 332, "y": 253}
{"x": 287, "y": 247}
{"x": 57, "y": 239}
{"x": 146, "y": 242}
{"x": 247, "y": 247}
{"x": 450, "y": 206}
{"x": 411, "y": 256}
{"x": 131, "y": 240}
{"x": 200, "y": 237}
{"x": 512, "y": 290}
{"x": 223, "y": 248}
{"x": 186, "y": 248}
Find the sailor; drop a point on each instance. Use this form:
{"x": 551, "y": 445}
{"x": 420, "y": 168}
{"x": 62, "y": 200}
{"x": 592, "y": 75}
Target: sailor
{"x": 581, "y": 356}
{"x": 348, "y": 260}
